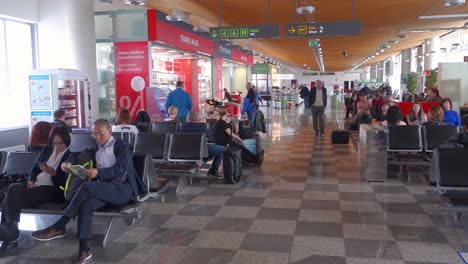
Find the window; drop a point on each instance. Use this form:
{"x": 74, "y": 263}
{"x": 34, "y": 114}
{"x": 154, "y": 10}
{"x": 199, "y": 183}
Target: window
{"x": 16, "y": 63}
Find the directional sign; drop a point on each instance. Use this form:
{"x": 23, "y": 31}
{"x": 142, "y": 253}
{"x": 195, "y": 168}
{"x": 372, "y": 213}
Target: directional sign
{"x": 324, "y": 29}
{"x": 383, "y": 46}
{"x": 313, "y": 43}
{"x": 245, "y": 32}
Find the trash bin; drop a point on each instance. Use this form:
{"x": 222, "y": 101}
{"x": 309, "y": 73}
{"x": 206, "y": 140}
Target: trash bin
{"x": 284, "y": 103}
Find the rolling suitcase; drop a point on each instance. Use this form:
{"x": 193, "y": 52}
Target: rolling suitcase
{"x": 340, "y": 137}
{"x": 232, "y": 164}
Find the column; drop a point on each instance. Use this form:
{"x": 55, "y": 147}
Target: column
{"x": 431, "y": 50}
{"x": 373, "y": 71}
{"x": 66, "y": 39}
{"x": 420, "y": 59}
{"x": 380, "y": 70}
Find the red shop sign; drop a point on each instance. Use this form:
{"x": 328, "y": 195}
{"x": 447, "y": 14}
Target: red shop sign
{"x": 132, "y": 75}
{"x": 168, "y": 65}
{"x": 176, "y": 66}
{"x": 178, "y": 37}
{"x": 242, "y": 57}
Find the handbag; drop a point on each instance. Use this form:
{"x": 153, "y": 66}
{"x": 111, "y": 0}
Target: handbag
{"x": 74, "y": 182}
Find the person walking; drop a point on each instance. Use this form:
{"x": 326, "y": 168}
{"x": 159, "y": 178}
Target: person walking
{"x": 318, "y": 103}
{"x": 180, "y": 99}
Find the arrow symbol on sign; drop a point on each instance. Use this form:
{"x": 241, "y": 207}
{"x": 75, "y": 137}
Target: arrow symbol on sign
{"x": 292, "y": 30}
{"x": 214, "y": 34}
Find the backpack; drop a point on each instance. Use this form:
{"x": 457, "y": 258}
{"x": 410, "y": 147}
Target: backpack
{"x": 246, "y": 107}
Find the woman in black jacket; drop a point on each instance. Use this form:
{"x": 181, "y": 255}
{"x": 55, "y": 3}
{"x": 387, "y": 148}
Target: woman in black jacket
{"x": 43, "y": 186}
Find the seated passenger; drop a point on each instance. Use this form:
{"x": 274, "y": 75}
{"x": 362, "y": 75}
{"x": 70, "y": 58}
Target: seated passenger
{"x": 224, "y": 136}
{"x": 113, "y": 183}
{"x": 394, "y": 117}
{"x": 213, "y": 114}
{"x": 451, "y": 117}
{"x": 416, "y": 116}
{"x": 122, "y": 122}
{"x": 39, "y": 137}
{"x": 381, "y": 115}
{"x": 462, "y": 138}
{"x": 227, "y": 95}
{"x": 363, "y": 108}
{"x": 43, "y": 186}
{"x": 142, "y": 121}
{"x": 173, "y": 114}
{"x": 194, "y": 125}
{"x": 59, "y": 119}
{"x": 435, "y": 117}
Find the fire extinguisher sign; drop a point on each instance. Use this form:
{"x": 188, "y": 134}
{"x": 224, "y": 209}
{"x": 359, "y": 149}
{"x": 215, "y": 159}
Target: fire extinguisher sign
{"x": 132, "y": 75}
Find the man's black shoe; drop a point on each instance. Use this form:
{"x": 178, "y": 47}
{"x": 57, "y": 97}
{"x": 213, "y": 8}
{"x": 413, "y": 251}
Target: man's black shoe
{"x": 9, "y": 232}
{"x": 8, "y": 248}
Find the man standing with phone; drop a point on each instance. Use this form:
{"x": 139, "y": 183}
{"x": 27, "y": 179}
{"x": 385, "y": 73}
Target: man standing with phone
{"x": 318, "y": 103}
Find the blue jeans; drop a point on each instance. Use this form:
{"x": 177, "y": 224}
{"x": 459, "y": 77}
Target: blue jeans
{"x": 217, "y": 153}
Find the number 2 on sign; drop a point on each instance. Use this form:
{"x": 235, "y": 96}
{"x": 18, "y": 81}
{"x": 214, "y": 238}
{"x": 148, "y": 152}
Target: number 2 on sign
{"x": 126, "y": 101}
{"x": 321, "y": 30}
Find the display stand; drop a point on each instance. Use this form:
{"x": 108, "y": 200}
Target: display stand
{"x": 372, "y": 152}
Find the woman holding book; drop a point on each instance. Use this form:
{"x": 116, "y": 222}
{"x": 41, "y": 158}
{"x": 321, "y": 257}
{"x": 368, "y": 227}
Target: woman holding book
{"x": 44, "y": 182}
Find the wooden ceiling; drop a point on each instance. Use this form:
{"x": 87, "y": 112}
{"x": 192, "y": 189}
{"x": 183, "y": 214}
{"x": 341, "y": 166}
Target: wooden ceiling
{"x": 382, "y": 21}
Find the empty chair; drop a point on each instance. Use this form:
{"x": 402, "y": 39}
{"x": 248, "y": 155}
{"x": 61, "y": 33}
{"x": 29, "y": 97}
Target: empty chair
{"x": 164, "y": 127}
{"x": 81, "y": 141}
{"x": 3, "y": 157}
{"x": 152, "y": 143}
{"x": 404, "y": 139}
{"x": 126, "y": 136}
{"x": 19, "y": 163}
{"x": 186, "y": 147}
{"x": 434, "y": 136}
{"x": 450, "y": 168}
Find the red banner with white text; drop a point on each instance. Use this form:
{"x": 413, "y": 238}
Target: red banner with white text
{"x": 132, "y": 75}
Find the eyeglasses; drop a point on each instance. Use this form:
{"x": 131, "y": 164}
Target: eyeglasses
{"x": 99, "y": 134}
{"x": 57, "y": 143}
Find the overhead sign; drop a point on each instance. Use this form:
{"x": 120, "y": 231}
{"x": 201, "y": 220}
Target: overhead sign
{"x": 313, "y": 43}
{"x": 324, "y": 29}
{"x": 383, "y": 45}
{"x": 261, "y": 68}
{"x": 283, "y": 76}
{"x": 245, "y": 32}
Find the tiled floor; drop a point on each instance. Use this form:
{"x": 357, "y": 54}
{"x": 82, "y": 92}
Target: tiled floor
{"x": 306, "y": 204}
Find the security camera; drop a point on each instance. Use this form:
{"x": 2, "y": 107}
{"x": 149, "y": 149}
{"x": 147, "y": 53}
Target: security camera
{"x": 344, "y": 54}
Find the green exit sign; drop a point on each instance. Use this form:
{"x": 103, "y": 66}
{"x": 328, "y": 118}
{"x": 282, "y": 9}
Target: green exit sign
{"x": 313, "y": 43}
{"x": 383, "y": 46}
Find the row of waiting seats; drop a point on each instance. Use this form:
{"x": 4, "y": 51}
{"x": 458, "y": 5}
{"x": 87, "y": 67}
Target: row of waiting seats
{"x": 20, "y": 163}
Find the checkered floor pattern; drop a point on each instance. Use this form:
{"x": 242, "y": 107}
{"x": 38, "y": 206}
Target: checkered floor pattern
{"x": 306, "y": 204}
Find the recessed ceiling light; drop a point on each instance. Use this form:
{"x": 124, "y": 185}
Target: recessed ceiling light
{"x": 402, "y": 36}
{"x": 454, "y": 3}
{"x": 105, "y": 2}
{"x": 136, "y": 2}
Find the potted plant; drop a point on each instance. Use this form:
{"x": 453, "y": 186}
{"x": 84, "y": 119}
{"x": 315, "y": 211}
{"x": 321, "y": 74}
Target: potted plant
{"x": 412, "y": 82}
{"x": 431, "y": 80}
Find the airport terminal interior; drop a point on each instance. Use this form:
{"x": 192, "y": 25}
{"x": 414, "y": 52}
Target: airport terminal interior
{"x": 346, "y": 121}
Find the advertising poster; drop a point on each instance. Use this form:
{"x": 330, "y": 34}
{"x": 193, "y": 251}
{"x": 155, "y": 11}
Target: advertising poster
{"x": 40, "y": 92}
{"x": 132, "y": 75}
{"x": 37, "y": 116}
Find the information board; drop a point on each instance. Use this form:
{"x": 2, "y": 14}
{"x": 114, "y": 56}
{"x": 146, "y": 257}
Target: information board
{"x": 245, "y": 32}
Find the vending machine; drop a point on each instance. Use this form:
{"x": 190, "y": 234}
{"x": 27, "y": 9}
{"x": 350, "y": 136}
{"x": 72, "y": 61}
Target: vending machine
{"x": 60, "y": 89}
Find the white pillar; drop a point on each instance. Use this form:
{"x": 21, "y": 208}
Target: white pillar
{"x": 373, "y": 71}
{"x": 431, "y": 50}
{"x": 66, "y": 39}
{"x": 406, "y": 61}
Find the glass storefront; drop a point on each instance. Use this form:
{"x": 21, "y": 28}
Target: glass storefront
{"x": 106, "y": 80}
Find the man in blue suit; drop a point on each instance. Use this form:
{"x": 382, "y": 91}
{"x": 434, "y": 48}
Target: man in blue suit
{"x": 113, "y": 182}
{"x": 180, "y": 99}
